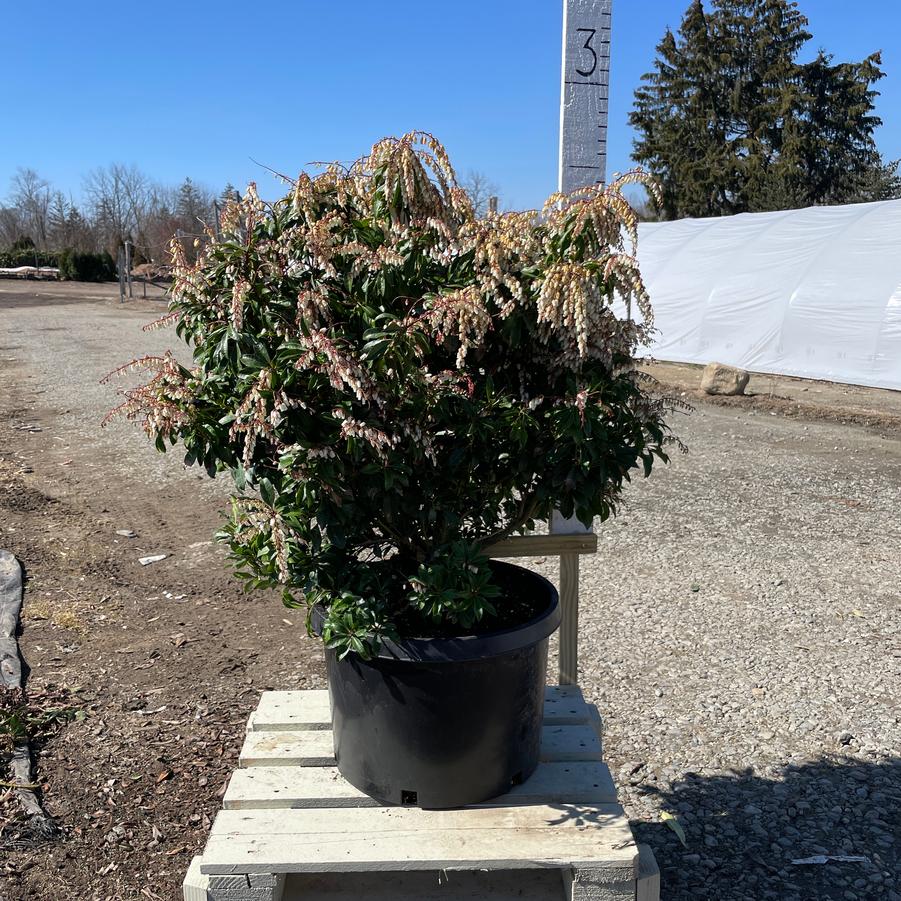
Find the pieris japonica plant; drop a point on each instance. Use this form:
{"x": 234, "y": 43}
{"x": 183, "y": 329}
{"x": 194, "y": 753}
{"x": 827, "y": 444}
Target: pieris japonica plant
{"x": 394, "y": 384}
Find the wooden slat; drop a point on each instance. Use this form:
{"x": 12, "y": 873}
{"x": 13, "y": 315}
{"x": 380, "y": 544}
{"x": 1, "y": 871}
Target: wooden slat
{"x": 299, "y": 711}
{"x": 425, "y": 885}
{"x": 400, "y": 838}
{"x": 288, "y": 748}
{"x": 568, "y": 671}
{"x": 543, "y": 545}
{"x": 294, "y": 710}
{"x": 314, "y": 747}
{"x": 280, "y": 787}
{"x": 570, "y": 743}
{"x": 647, "y": 875}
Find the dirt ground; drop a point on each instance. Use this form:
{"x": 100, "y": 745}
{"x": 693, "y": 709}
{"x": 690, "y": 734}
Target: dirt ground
{"x": 162, "y": 663}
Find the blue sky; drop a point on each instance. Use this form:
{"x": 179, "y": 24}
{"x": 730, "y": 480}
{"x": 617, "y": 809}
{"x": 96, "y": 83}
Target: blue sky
{"x": 203, "y": 88}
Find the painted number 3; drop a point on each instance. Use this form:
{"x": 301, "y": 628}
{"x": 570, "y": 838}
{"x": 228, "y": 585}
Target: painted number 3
{"x": 591, "y": 32}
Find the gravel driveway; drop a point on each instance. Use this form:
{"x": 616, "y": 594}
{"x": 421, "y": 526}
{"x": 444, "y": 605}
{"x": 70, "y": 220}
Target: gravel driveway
{"x": 740, "y": 630}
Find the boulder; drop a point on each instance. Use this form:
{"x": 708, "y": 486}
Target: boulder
{"x": 721, "y": 379}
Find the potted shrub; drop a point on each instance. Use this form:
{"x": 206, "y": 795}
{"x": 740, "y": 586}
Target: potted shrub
{"x": 394, "y": 385}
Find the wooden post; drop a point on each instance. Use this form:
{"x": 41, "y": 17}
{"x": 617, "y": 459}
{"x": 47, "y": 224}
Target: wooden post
{"x": 568, "y": 656}
{"x": 584, "y": 93}
{"x": 120, "y": 266}
{"x": 128, "y": 266}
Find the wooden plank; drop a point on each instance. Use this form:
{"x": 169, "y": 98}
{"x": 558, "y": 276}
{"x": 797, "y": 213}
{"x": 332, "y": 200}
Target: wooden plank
{"x": 648, "y": 876}
{"x": 569, "y": 625}
{"x": 195, "y": 885}
{"x": 298, "y": 711}
{"x": 294, "y": 710}
{"x": 286, "y": 787}
{"x": 543, "y": 545}
{"x": 570, "y": 743}
{"x": 599, "y": 884}
{"x": 288, "y": 748}
{"x": 427, "y": 885}
{"x": 314, "y": 747}
{"x": 252, "y": 887}
{"x": 565, "y": 706}
{"x": 402, "y": 838}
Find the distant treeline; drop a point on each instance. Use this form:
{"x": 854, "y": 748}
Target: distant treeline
{"x": 39, "y": 225}
{"x": 73, "y": 265}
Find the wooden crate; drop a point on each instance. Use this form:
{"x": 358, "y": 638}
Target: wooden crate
{"x": 292, "y": 828}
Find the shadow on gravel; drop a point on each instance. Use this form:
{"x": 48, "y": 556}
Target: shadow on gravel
{"x": 744, "y": 834}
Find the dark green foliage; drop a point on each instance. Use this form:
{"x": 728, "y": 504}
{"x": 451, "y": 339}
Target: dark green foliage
{"x": 13, "y": 258}
{"x": 22, "y": 243}
{"x": 86, "y": 267}
{"x": 394, "y": 384}
{"x": 729, "y": 121}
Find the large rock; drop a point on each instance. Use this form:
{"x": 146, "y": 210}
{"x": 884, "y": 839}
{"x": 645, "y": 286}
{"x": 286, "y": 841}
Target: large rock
{"x": 721, "y": 379}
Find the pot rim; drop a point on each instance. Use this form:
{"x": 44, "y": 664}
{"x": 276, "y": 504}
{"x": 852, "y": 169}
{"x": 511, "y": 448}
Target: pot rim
{"x": 455, "y": 649}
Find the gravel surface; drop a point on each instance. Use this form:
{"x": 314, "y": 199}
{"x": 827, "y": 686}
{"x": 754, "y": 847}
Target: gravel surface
{"x": 740, "y": 627}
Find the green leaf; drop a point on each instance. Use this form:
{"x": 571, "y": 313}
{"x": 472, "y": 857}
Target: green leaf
{"x": 675, "y": 825}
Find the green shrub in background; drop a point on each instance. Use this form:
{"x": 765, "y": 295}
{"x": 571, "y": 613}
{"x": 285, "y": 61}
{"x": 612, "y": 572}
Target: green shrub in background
{"x": 73, "y": 266}
{"x": 86, "y": 267}
{"x": 15, "y": 257}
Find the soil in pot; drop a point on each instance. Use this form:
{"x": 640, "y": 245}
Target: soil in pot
{"x": 448, "y": 721}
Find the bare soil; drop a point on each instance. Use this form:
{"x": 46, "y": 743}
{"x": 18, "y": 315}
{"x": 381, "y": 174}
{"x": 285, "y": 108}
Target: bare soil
{"x": 163, "y": 663}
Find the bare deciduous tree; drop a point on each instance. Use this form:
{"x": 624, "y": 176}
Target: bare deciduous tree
{"x": 31, "y": 195}
{"x": 119, "y": 198}
{"x": 480, "y": 190}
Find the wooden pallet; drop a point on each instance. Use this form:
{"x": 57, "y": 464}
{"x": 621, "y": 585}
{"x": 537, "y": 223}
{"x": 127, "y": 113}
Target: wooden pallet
{"x": 292, "y": 828}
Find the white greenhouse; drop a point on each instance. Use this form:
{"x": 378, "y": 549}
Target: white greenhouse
{"x": 814, "y": 293}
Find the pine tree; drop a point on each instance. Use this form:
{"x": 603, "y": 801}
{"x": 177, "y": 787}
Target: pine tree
{"x": 192, "y": 206}
{"x": 730, "y": 122}
{"x": 229, "y": 193}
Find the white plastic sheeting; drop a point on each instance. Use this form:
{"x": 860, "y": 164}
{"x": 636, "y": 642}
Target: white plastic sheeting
{"x": 814, "y": 293}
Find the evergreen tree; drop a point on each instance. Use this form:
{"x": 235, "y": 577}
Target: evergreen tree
{"x": 192, "y": 206}
{"x": 730, "y": 122}
{"x": 229, "y": 194}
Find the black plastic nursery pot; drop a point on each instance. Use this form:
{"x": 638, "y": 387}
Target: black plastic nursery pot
{"x": 446, "y": 722}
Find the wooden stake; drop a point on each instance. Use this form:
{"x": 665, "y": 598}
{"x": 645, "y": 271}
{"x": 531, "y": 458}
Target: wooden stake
{"x": 569, "y": 626}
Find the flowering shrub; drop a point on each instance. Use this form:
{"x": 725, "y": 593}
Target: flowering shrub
{"x": 394, "y": 384}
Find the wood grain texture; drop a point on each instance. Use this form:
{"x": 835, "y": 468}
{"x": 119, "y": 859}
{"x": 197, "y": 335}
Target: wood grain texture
{"x": 427, "y": 885}
{"x": 569, "y": 625}
{"x": 299, "y": 711}
{"x": 287, "y": 787}
{"x": 648, "y": 876}
{"x": 195, "y": 883}
{"x": 401, "y": 838}
{"x": 315, "y": 748}
{"x": 599, "y": 883}
{"x": 543, "y": 545}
